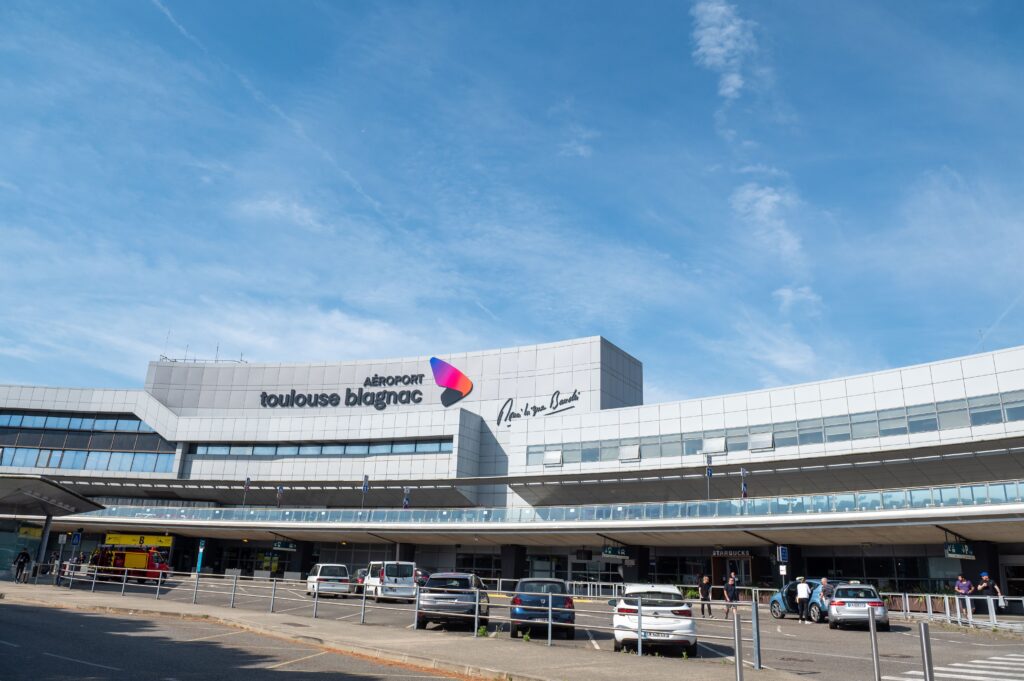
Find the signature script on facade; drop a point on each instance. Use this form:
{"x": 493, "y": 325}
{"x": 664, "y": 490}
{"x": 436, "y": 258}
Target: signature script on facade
{"x": 558, "y": 403}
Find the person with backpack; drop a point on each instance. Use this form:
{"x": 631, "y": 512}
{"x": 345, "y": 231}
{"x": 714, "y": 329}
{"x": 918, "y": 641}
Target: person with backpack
{"x": 21, "y": 563}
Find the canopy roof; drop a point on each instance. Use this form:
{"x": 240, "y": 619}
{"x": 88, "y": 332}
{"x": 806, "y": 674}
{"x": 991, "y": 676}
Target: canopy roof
{"x": 39, "y": 496}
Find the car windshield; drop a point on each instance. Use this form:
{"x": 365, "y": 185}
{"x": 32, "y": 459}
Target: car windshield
{"x": 656, "y": 597}
{"x": 860, "y": 592}
{"x": 398, "y": 570}
{"x": 448, "y": 583}
{"x": 333, "y": 571}
{"x": 540, "y": 587}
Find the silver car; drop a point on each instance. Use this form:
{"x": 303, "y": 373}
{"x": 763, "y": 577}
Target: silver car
{"x": 853, "y": 603}
{"x": 451, "y": 598}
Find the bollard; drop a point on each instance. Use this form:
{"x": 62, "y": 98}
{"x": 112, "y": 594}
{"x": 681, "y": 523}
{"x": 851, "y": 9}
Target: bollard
{"x": 195, "y": 589}
{"x": 476, "y": 614}
{"x": 416, "y": 609}
{"x": 873, "y": 629}
{"x": 755, "y": 630}
{"x": 928, "y": 607}
{"x": 926, "y": 653}
{"x": 71, "y": 577}
{"x": 273, "y": 593}
{"x": 969, "y": 606}
{"x": 234, "y": 587}
{"x": 991, "y": 610}
{"x": 737, "y": 643}
{"x": 639, "y": 626}
{"x": 316, "y": 597}
{"x": 95, "y": 570}
{"x": 159, "y": 581}
{"x": 956, "y": 602}
{"x": 549, "y": 618}
{"x": 362, "y": 608}
{"x": 124, "y": 580}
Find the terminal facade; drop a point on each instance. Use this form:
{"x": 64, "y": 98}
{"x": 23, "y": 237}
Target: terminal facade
{"x": 542, "y": 460}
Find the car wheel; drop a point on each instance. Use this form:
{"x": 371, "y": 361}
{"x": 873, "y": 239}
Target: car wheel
{"x": 376, "y": 595}
{"x": 513, "y": 631}
{"x": 484, "y": 622}
{"x": 776, "y": 610}
{"x": 570, "y": 634}
{"x": 421, "y": 623}
{"x": 815, "y": 613}
{"x": 833, "y": 625}
{"x": 885, "y": 627}
{"x": 617, "y": 646}
{"x": 691, "y": 650}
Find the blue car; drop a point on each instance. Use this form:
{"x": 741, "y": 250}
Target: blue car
{"x": 784, "y": 602}
{"x": 529, "y": 608}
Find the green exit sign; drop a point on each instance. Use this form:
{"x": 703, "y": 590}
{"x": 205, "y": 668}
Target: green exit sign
{"x": 285, "y": 546}
{"x": 961, "y": 551}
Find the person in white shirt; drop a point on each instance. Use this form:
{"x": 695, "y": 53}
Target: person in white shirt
{"x": 803, "y": 598}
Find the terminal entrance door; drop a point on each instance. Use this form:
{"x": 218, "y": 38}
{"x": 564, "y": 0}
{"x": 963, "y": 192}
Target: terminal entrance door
{"x": 721, "y": 566}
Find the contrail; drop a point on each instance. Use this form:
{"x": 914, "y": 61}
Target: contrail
{"x": 999, "y": 321}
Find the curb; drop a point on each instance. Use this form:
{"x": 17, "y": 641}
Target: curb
{"x": 422, "y": 662}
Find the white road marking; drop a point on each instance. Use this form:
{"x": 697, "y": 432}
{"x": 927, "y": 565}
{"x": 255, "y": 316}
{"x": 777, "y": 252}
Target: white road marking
{"x": 206, "y": 638}
{"x": 13, "y": 645}
{"x": 307, "y": 657}
{"x": 297, "y": 607}
{"x": 592, "y": 641}
{"x": 89, "y": 664}
{"x": 345, "y": 617}
{"x": 982, "y": 669}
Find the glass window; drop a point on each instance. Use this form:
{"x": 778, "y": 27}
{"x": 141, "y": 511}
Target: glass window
{"x": 73, "y": 460}
{"x": 985, "y": 415}
{"x": 333, "y": 450}
{"x": 25, "y": 458}
{"x": 692, "y": 446}
{"x": 837, "y": 433}
{"x": 105, "y": 424}
{"x": 403, "y": 447}
{"x": 428, "y": 446}
{"x": 591, "y": 452}
{"x": 144, "y": 463}
{"x": 287, "y": 450}
{"x": 650, "y": 448}
{"x": 958, "y": 418}
{"x": 571, "y": 454}
{"x": 609, "y": 451}
{"x": 1013, "y": 404}
{"x": 30, "y": 438}
{"x": 5, "y": 420}
{"x": 895, "y": 426}
{"x": 148, "y": 443}
{"x": 922, "y": 424}
{"x": 88, "y": 423}
{"x": 43, "y": 459}
{"x": 7, "y": 458}
{"x": 380, "y": 448}
{"x": 97, "y": 461}
{"x": 863, "y": 430}
{"x": 309, "y": 450}
{"x": 736, "y": 443}
{"x": 127, "y": 425}
{"x": 218, "y": 450}
{"x": 534, "y": 458}
{"x": 58, "y": 422}
{"x": 28, "y": 421}
{"x": 553, "y": 457}
{"x": 447, "y": 446}
{"x": 632, "y": 452}
{"x": 15, "y": 420}
{"x": 120, "y": 462}
{"x": 357, "y": 450}
{"x": 54, "y": 459}
{"x": 264, "y": 450}
{"x": 236, "y": 450}
{"x": 145, "y": 427}
{"x": 810, "y": 437}
{"x": 164, "y": 463}
{"x": 124, "y": 442}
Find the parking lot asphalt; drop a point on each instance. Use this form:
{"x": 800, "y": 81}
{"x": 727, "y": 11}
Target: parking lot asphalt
{"x": 786, "y": 645}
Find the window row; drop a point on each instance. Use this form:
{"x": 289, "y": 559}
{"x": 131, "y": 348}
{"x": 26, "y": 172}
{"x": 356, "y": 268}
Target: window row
{"x": 28, "y": 457}
{"x": 974, "y": 411}
{"x": 335, "y": 449}
{"x": 70, "y": 439}
{"x": 73, "y": 422}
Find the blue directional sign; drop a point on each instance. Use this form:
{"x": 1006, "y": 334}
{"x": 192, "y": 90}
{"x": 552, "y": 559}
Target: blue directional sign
{"x": 76, "y": 539}
{"x": 783, "y": 554}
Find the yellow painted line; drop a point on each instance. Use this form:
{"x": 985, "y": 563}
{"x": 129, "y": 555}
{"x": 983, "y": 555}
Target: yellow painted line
{"x": 307, "y": 657}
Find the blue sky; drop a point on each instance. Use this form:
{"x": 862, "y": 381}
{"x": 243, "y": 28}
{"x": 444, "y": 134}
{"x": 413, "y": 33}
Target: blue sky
{"x": 741, "y": 194}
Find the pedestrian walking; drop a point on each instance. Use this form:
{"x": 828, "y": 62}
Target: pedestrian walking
{"x": 986, "y": 587}
{"x": 826, "y": 593}
{"x": 803, "y": 598}
{"x": 704, "y": 589}
{"x": 965, "y": 588}
{"x": 732, "y": 595}
{"x": 21, "y": 563}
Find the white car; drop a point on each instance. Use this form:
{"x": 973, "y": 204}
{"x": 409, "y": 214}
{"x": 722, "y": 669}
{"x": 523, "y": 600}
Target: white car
{"x": 660, "y": 612}
{"x": 390, "y": 579}
{"x": 329, "y": 578}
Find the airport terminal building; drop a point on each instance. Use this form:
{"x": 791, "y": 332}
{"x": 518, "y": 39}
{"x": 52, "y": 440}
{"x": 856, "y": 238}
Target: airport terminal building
{"x": 542, "y": 460}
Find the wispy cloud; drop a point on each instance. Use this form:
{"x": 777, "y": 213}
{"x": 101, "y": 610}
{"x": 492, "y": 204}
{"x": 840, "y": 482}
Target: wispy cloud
{"x": 762, "y": 210}
{"x": 793, "y": 297}
{"x": 723, "y": 40}
{"x": 578, "y": 143}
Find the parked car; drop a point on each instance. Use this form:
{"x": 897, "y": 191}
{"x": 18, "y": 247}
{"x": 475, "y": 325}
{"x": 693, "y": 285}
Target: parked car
{"x": 360, "y": 578}
{"x": 854, "y": 603}
{"x": 529, "y": 608}
{"x": 420, "y": 576}
{"x": 451, "y": 598}
{"x": 329, "y": 578}
{"x": 667, "y": 618}
{"x": 783, "y": 602}
{"x": 390, "y": 579}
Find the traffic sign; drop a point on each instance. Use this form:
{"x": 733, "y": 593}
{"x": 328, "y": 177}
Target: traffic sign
{"x": 782, "y": 554}
{"x": 76, "y": 539}
{"x": 62, "y": 539}
{"x": 782, "y": 570}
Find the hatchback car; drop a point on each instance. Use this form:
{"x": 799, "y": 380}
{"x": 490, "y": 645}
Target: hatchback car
{"x": 329, "y": 578}
{"x": 854, "y": 603}
{"x": 450, "y": 598}
{"x": 783, "y": 602}
{"x": 659, "y": 613}
{"x": 529, "y": 608}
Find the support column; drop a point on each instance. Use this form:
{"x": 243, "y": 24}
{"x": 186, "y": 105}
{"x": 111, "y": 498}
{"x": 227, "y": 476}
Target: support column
{"x": 405, "y": 552}
{"x": 44, "y": 540}
{"x": 640, "y": 570}
{"x": 513, "y": 561}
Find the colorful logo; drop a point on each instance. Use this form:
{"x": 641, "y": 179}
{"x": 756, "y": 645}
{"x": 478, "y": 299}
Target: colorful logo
{"x": 455, "y": 383}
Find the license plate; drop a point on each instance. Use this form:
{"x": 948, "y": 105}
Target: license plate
{"x": 655, "y": 634}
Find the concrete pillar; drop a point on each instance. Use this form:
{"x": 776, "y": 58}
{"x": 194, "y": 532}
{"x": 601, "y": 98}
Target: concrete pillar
{"x": 513, "y": 561}
{"x": 640, "y": 570}
{"x": 405, "y": 552}
{"x": 44, "y": 540}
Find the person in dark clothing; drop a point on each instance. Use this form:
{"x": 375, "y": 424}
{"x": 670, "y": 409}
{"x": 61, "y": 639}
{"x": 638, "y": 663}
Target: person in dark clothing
{"x": 704, "y": 588}
{"x": 21, "y": 563}
{"x": 732, "y": 595}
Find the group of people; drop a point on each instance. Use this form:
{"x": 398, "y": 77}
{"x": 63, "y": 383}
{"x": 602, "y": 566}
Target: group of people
{"x": 803, "y": 597}
{"x": 984, "y": 587}
{"x": 730, "y": 590}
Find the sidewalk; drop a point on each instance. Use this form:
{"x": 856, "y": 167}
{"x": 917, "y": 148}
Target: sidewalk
{"x": 485, "y": 658}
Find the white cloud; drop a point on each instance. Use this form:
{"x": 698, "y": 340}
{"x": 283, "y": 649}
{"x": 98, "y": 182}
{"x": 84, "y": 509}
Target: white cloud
{"x": 723, "y": 39}
{"x": 762, "y": 211}
{"x": 790, "y": 297}
{"x": 274, "y": 209}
